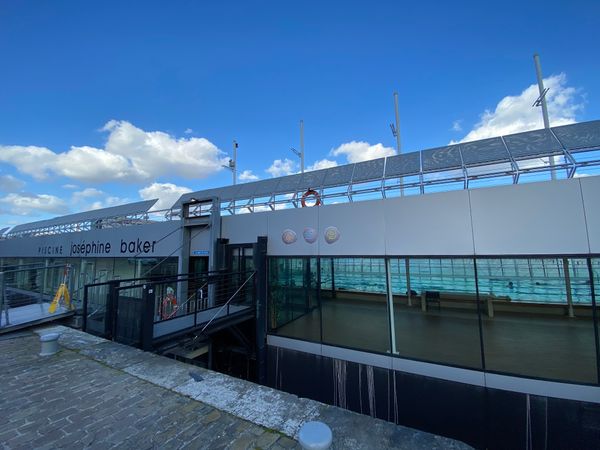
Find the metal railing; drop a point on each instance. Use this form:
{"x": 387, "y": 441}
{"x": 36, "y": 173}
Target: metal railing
{"x": 136, "y": 311}
{"x": 29, "y": 284}
{"x": 140, "y": 218}
{"x": 447, "y": 168}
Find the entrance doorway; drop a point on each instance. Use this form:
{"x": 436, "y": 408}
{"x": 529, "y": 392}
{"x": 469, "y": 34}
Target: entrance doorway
{"x": 240, "y": 257}
{"x": 198, "y": 265}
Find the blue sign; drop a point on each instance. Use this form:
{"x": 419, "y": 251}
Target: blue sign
{"x": 200, "y": 252}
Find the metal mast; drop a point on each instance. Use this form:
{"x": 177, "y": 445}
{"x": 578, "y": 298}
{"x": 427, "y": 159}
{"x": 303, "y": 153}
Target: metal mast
{"x": 302, "y": 146}
{"x": 541, "y": 101}
{"x": 233, "y": 162}
{"x": 300, "y": 154}
{"x": 396, "y": 133}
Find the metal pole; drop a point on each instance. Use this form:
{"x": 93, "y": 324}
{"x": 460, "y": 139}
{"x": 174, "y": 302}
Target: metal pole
{"x": 398, "y": 146}
{"x": 408, "y": 288}
{"x": 302, "y": 146}
{"x": 538, "y": 72}
{"x": 390, "y": 301}
{"x": 3, "y": 303}
{"x": 234, "y": 168}
{"x": 565, "y": 262}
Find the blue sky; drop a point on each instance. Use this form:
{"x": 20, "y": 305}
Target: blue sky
{"x": 109, "y": 102}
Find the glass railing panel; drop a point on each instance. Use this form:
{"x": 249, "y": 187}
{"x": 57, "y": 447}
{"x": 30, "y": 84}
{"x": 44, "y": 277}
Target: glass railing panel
{"x": 96, "y": 319}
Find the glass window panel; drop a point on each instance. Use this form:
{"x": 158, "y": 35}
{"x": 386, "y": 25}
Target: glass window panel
{"x": 354, "y": 303}
{"x": 293, "y": 304}
{"x": 124, "y": 268}
{"x": 75, "y": 292}
{"x": 104, "y": 270}
{"x": 537, "y": 321}
{"x": 154, "y": 267}
{"x": 530, "y": 280}
{"x": 55, "y": 275}
{"x": 435, "y": 310}
{"x": 595, "y": 262}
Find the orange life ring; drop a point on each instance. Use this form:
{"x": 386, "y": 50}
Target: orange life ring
{"x": 311, "y": 193}
{"x": 169, "y": 306}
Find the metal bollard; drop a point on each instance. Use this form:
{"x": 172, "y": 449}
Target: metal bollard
{"x": 49, "y": 344}
{"x": 315, "y": 436}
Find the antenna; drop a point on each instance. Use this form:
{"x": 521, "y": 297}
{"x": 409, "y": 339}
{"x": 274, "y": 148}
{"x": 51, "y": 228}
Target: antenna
{"x": 300, "y": 154}
{"x": 232, "y": 164}
{"x": 396, "y": 129}
{"x": 541, "y": 98}
{"x": 302, "y": 145}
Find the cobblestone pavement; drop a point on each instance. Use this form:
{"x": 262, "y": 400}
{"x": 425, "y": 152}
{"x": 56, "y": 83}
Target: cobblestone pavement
{"x": 72, "y": 401}
{"x": 100, "y": 394}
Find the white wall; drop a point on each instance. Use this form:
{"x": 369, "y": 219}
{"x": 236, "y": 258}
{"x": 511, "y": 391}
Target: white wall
{"x": 200, "y": 240}
{"x": 361, "y": 226}
{"x": 432, "y": 224}
{"x": 529, "y": 219}
{"x": 536, "y": 218}
{"x": 244, "y": 228}
{"x": 157, "y": 239}
{"x": 558, "y": 217}
{"x": 297, "y": 220}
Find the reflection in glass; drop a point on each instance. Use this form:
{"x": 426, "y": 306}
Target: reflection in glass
{"x": 293, "y": 305}
{"x": 533, "y": 280}
{"x": 538, "y": 318}
{"x": 435, "y": 310}
{"x": 354, "y": 303}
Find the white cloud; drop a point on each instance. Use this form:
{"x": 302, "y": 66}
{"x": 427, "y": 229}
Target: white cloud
{"x": 33, "y": 204}
{"x": 247, "y": 175}
{"x": 280, "y": 168}
{"x": 130, "y": 155}
{"x": 155, "y": 153}
{"x": 70, "y": 186}
{"x": 30, "y": 160}
{"x": 514, "y": 114}
{"x": 9, "y": 183}
{"x": 86, "y": 194}
{"x": 362, "y": 151}
{"x": 94, "y": 165}
{"x": 188, "y": 131}
{"x": 92, "y": 198}
{"x": 457, "y": 125}
{"x": 322, "y": 164}
{"x": 107, "y": 202}
{"x": 166, "y": 193}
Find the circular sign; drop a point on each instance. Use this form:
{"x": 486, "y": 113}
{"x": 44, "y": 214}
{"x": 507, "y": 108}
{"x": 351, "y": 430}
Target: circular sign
{"x": 288, "y": 236}
{"x": 310, "y": 235}
{"x": 332, "y": 234}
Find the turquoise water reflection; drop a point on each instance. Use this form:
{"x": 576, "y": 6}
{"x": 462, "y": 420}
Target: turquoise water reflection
{"x": 522, "y": 280}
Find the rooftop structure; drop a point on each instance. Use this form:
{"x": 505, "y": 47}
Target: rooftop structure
{"x": 499, "y": 160}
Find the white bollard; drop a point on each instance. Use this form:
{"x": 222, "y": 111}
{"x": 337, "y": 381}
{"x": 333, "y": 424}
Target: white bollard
{"x": 315, "y": 436}
{"x": 49, "y": 344}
